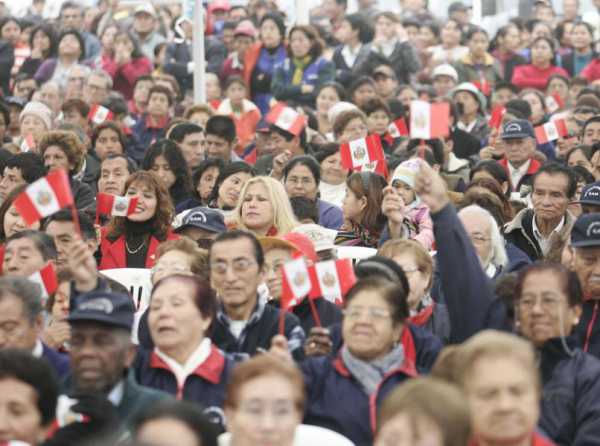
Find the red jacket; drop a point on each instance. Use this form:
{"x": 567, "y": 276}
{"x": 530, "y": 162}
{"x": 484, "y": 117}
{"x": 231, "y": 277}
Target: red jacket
{"x": 530, "y": 76}
{"x": 534, "y": 166}
{"x": 537, "y": 440}
{"x": 592, "y": 70}
{"x": 124, "y": 76}
{"x": 114, "y": 255}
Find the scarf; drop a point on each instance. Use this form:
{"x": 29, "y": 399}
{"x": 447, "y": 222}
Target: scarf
{"x": 370, "y": 374}
{"x": 368, "y": 238}
{"x": 421, "y": 315}
{"x": 300, "y": 64}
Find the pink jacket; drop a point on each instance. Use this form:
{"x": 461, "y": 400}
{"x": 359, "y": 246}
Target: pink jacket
{"x": 421, "y": 225}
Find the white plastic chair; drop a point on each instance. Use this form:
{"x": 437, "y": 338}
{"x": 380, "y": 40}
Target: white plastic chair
{"x": 356, "y": 253}
{"x": 306, "y": 435}
{"x": 136, "y": 280}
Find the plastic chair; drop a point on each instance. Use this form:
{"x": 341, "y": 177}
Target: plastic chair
{"x": 136, "y": 280}
{"x": 356, "y": 253}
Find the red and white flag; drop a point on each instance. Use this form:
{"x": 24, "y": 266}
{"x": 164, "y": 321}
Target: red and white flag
{"x": 46, "y": 279}
{"x": 28, "y": 143}
{"x": 108, "y": 204}
{"x": 428, "y": 121}
{"x": 483, "y": 85}
{"x": 554, "y": 102}
{"x": 361, "y": 151}
{"x": 398, "y": 128}
{"x": 379, "y": 167}
{"x": 44, "y": 197}
{"x": 295, "y": 284}
{"x": 98, "y": 114}
{"x": 496, "y": 117}
{"x": 551, "y": 131}
{"x": 286, "y": 118}
{"x": 332, "y": 279}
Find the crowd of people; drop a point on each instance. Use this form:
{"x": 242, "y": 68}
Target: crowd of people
{"x": 465, "y": 268}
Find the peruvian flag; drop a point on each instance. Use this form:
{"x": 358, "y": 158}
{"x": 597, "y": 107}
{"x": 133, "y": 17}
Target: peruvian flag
{"x": 361, "y": 151}
{"x": 551, "y": 131}
{"x": 44, "y": 197}
{"x": 379, "y": 167}
{"x": 332, "y": 279}
{"x": 28, "y": 143}
{"x": 296, "y": 283}
{"x": 286, "y": 118}
{"x": 428, "y": 121}
{"x": 483, "y": 85}
{"x": 398, "y": 128}
{"x": 115, "y": 205}
{"x": 496, "y": 118}
{"x": 554, "y": 102}
{"x": 46, "y": 279}
{"x": 98, "y": 114}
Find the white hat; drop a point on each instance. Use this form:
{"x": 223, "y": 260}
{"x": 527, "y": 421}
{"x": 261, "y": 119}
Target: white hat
{"x": 145, "y": 8}
{"x": 338, "y": 109}
{"x": 445, "y": 70}
{"x": 321, "y": 237}
{"x": 40, "y": 110}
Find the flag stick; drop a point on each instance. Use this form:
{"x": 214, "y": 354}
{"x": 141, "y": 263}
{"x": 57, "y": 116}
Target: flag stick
{"x": 315, "y": 313}
{"x": 75, "y": 219}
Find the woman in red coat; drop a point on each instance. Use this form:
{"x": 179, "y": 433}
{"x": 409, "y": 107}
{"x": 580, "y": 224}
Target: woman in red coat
{"x": 537, "y": 73}
{"x": 126, "y": 64}
{"x": 130, "y": 242}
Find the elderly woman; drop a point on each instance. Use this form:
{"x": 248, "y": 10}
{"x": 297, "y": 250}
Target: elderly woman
{"x": 264, "y": 208}
{"x": 301, "y": 178}
{"x": 63, "y": 150}
{"x": 34, "y": 121}
{"x": 184, "y": 362}
{"x": 131, "y": 242}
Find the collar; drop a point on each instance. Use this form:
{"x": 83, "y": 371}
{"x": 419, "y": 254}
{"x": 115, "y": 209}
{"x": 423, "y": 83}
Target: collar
{"x": 467, "y": 127}
{"x": 254, "y": 317}
{"x": 455, "y": 163}
{"x": 522, "y": 170}
{"x": 347, "y": 50}
{"x": 38, "y": 349}
{"x": 79, "y": 175}
{"x": 407, "y": 368}
{"x": 488, "y": 59}
{"x": 236, "y": 63}
{"x": 557, "y": 229}
{"x": 206, "y": 362}
{"x": 159, "y": 125}
{"x": 115, "y": 396}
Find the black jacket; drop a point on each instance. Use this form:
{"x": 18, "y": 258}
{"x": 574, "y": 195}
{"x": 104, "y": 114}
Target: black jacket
{"x": 466, "y": 145}
{"x": 519, "y": 232}
{"x": 404, "y": 60}
{"x": 7, "y": 60}
{"x": 328, "y": 312}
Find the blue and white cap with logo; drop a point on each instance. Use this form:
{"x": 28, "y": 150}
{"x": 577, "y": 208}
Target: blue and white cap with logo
{"x": 590, "y": 194}
{"x": 517, "y": 129}
{"x": 104, "y": 307}
{"x": 586, "y": 231}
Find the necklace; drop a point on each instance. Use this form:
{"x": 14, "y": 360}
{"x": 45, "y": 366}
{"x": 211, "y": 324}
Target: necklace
{"x": 134, "y": 251}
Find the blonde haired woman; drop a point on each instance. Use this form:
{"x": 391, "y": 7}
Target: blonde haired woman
{"x": 264, "y": 208}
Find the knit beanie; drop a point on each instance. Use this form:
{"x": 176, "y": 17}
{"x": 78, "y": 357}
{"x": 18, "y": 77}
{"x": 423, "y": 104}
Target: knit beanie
{"x": 406, "y": 172}
{"x": 40, "y": 110}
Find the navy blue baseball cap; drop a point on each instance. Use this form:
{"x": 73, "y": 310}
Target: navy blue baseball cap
{"x": 517, "y": 129}
{"x": 204, "y": 218}
{"x": 590, "y": 194}
{"x": 586, "y": 231}
{"x": 104, "y": 307}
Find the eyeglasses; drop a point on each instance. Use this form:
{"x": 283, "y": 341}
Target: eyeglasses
{"x": 373, "y": 313}
{"x": 238, "y": 265}
{"x": 478, "y": 239}
{"x": 546, "y": 302}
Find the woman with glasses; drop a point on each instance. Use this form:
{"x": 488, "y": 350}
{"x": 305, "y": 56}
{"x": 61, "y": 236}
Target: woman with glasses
{"x": 301, "y": 178}
{"x": 184, "y": 362}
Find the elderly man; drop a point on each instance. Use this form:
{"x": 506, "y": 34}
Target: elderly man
{"x": 535, "y": 231}
{"x": 27, "y": 252}
{"x": 97, "y": 87}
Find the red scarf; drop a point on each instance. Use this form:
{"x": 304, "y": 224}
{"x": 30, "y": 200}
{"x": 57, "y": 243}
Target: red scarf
{"x": 421, "y": 318}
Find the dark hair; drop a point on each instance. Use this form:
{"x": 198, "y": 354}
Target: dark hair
{"x": 369, "y": 185}
{"x": 143, "y": 78}
{"x": 204, "y": 297}
{"x": 558, "y": 76}
{"x": 136, "y": 53}
{"x": 86, "y": 225}
{"x": 77, "y": 35}
{"x": 5, "y": 114}
{"x": 432, "y": 26}
{"x": 289, "y": 136}
{"x": 519, "y": 107}
{"x": 30, "y": 164}
{"x": 47, "y": 29}
{"x": 185, "y": 412}
{"x": 384, "y": 267}
{"x": 180, "y": 131}
{"x": 568, "y": 279}
{"x": 221, "y": 126}
{"x": 5, "y": 155}
{"x": 582, "y": 175}
{"x": 199, "y": 171}
{"x": 339, "y": 89}
{"x": 395, "y": 295}
{"x": 356, "y": 84}
{"x": 376, "y": 104}
{"x": 316, "y": 44}
{"x": 304, "y": 160}
{"x": 131, "y": 164}
{"x": 228, "y": 170}
{"x": 491, "y": 167}
{"x": 326, "y": 150}
{"x": 234, "y": 79}
{"x": 7, "y": 19}
{"x": 82, "y": 107}
{"x": 435, "y": 146}
{"x": 238, "y": 234}
{"x": 172, "y": 153}
{"x": 554, "y": 168}
{"x": 475, "y": 30}
{"x": 35, "y": 372}
{"x": 277, "y": 19}
{"x": 304, "y": 208}
{"x": 591, "y": 120}
{"x": 583, "y": 148}
{"x": 493, "y": 200}
{"x": 549, "y": 42}
{"x": 5, "y": 206}
{"x": 42, "y": 241}
{"x": 162, "y": 90}
{"x": 359, "y": 22}
{"x": 111, "y": 125}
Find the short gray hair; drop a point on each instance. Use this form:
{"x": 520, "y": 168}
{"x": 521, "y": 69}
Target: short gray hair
{"x": 498, "y": 256}
{"x": 104, "y": 75}
{"x": 29, "y": 293}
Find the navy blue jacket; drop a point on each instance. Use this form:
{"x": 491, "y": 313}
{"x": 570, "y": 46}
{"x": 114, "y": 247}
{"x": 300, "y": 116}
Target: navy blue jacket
{"x": 570, "y": 395}
{"x": 337, "y": 401}
{"x": 144, "y": 136}
{"x": 58, "y": 361}
{"x": 205, "y": 386}
{"x": 587, "y": 332}
{"x": 329, "y": 313}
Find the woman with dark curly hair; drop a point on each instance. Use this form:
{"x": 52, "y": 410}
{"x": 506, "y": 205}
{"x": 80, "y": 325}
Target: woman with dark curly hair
{"x": 166, "y": 160}
{"x": 130, "y": 242}
{"x": 42, "y": 42}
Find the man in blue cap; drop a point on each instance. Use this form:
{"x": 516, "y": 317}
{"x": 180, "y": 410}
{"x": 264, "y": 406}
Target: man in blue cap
{"x": 202, "y": 225}
{"x": 589, "y": 200}
{"x": 519, "y": 146}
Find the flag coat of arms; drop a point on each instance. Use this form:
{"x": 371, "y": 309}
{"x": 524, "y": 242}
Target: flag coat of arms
{"x": 554, "y": 102}
{"x": 398, "y": 128}
{"x": 296, "y": 283}
{"x": 428, "y": 121}
{"x": 98, "y": 114}
{"x": 286, "y": 118}
{"x": 363, "y": 151}
{"x": 44, "y": 197}
{"x": 551, "y": 131}
{"x": 332, "y": 279}
{"x": 115, "y": 205}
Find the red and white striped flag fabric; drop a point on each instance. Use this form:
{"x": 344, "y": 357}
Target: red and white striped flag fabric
{"x": 379, "y": 167}
{"x": 398, "y": 128}
{"x": 551, "y": 131}
{"x": 483, "y": 85}
{"x": 554, "y": 102}
{"x": 14, "y": 443}
{"x": 46, "y": 279}
{"x": 295, "y": 284}
{"x": 98, "y": 114}
{"x": 361, "y": 151}
{"x": 332, "y": 279}
{"x": 44, "y": 197}
{"x": 28, "y": 143}
{"x": 286, "y": 118}
{"x": 108, "y": 204}
{"x": 496, "y": 117}
{"x": 428, "y": 121}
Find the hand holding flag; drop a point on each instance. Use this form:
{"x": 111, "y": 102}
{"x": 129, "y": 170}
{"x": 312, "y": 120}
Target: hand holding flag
{"x": 363, "y": 151}
{"x": 108, "y": 204}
